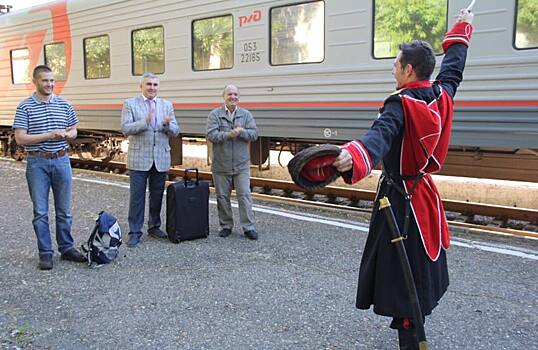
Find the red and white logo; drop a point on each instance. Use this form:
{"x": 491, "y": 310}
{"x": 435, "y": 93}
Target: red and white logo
{"x": 255, "y": 16}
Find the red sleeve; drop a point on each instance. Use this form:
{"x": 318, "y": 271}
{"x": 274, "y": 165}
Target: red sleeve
{"x": 362, "y": 162}
{"x": 460, "y": 33}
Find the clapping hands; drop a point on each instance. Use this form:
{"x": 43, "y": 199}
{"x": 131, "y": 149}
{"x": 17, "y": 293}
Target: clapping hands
{"x": 168, "y": 119}
{"x": 235, "y": 132}
{"x": 58, "y": 134}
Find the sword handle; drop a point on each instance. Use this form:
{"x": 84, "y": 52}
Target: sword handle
{"x": 384, "y": 203}
{"x": 470, "y": 7}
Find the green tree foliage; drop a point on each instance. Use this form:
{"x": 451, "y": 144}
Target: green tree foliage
{"x": 398, "y": 21}
{"x": 55, "y": 59}
{"x": 148, "y": 50}
{"x": 213, "y": 43}
{"x": 285, "y": 22}
{"x": 527, "y": 24}
{"x": 97, "y": 57}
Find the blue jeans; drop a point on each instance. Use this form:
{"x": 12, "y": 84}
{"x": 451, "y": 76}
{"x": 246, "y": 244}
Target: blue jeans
{"x": 137, "y": 198}
{"x": 42, "y": 174}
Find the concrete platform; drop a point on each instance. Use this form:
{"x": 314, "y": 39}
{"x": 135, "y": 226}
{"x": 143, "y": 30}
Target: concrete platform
{"x": 294, "y": 288}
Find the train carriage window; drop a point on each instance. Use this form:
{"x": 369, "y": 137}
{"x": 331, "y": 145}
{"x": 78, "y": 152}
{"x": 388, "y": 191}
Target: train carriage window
{"x": 148, "y": 50}
{"x": 298, "y": 33}
{"x": 55, "y": 59}
{"x": 527, "y": 24}
{"x": 212, "y": 43}
{"x": 97, "y": 57}
{"x": 397, "y": 21}
{"x": 20, "y": 66}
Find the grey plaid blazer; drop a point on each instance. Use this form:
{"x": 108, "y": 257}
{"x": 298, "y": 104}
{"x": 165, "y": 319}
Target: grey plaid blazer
{"x": 147, "y": 145}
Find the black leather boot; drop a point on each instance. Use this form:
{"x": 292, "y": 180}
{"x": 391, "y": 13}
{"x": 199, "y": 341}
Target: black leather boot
{"x": 408, "y": 339}
{"x": 406, "y": 333}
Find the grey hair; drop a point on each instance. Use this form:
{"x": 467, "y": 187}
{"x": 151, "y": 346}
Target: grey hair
{"x": 148, "y": 75}
{"x": 227, "y": 86}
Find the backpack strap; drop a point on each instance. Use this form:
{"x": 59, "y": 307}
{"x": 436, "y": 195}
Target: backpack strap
{"x": 87, "y": 247}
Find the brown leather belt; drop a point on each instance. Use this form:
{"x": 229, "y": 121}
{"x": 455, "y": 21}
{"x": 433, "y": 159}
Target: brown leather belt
{"x": 48, "y": 155}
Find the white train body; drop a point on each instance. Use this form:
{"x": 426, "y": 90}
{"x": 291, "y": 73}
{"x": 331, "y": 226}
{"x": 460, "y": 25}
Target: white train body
{"x": 335, "y": 99}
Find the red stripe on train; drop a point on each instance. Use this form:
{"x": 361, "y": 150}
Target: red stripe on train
{"x": 317, "y": 104}
{"x": 496, "y": 103}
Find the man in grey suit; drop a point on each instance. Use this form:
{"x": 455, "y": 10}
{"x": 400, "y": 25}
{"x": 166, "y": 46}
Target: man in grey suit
{"x": 148, "y": 121}
{"x": 231, "y": 128}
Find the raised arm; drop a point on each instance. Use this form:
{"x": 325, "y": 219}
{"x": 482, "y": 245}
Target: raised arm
{"x": 455, "y": 47}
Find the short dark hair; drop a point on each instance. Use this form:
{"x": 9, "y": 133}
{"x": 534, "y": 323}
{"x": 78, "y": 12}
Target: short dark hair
{"x": 39, "y": 69}
{"x": 420, "y": 55}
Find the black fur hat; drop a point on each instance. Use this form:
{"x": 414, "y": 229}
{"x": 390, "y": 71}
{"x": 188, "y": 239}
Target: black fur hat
{"x": 312, "y": 167}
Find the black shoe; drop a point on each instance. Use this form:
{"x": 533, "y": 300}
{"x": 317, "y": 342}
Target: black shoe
{"x": 134, "y": 239}
{"x": 73, "y": 255}
{"x": 157, "y": 233}
{"x": 251, "y": 234}
{"x": 45, "y": 262}
{"x": 225, "y": 232}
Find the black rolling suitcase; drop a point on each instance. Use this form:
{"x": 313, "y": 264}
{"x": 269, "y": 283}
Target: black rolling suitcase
{"x": 187, "y": 209}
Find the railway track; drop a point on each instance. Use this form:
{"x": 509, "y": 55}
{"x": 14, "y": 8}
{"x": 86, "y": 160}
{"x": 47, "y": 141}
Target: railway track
{"x": 474, "y": 217}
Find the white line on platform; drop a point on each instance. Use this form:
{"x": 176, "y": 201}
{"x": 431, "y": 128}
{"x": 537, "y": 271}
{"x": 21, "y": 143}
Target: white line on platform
{"x": 493, "y": 248}
{"x": 102, "y": 182}
{"x": 308, "y": 217}
{"x": 487, "y": 247}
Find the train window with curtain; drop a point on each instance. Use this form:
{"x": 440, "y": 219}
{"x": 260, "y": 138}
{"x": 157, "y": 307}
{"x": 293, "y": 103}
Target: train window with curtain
{"x": 97, "y": 57}
{"x": 55, "y": 60}
{"x": 212, "y": 43}
{"x": 397, "y": 21}
{"x": 20, "y": 66}
{"x": 526, "y": 34}
{"x": 298, "y": 33}
{"x": 148, "y": 50}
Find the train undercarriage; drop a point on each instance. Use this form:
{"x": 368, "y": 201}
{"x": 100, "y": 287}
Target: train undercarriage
{"x": 516, "y": 164}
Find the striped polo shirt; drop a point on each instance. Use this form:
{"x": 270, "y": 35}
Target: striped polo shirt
{"x": 38, "y": 117}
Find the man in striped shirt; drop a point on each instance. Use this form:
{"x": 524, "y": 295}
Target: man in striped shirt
{"x": 43, "y": 124}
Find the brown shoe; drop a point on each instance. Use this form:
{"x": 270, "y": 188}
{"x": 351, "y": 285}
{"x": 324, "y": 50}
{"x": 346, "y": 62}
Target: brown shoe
{"x": 45, "y": 262}
{"x": 73, "y": 255}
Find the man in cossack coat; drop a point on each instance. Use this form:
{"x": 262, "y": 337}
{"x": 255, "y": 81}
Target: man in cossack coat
{"x": 410, "y": 138}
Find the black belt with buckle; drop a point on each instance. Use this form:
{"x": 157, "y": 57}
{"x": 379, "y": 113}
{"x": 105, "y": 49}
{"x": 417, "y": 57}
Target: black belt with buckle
{"x": 48, "y": 155}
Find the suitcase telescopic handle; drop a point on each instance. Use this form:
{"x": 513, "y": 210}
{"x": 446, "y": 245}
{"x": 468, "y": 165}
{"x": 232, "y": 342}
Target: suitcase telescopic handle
{"x": 186, "y": 176}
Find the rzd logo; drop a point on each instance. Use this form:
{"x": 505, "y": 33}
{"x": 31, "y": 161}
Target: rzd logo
{"x": 255, "y": 16}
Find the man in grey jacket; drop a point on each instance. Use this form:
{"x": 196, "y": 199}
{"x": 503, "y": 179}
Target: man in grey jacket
{"x": 148, "y": 121}
{"x": 231, "y": 128}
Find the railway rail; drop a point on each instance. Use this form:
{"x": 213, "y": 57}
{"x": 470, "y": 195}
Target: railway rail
{"x": 475, "y": 217}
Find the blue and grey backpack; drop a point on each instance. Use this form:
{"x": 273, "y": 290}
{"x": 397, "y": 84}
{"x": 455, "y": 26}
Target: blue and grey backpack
{"x": 104, "y": 241}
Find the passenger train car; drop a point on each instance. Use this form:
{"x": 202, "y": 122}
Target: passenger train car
{"x": 314, "y": 71}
